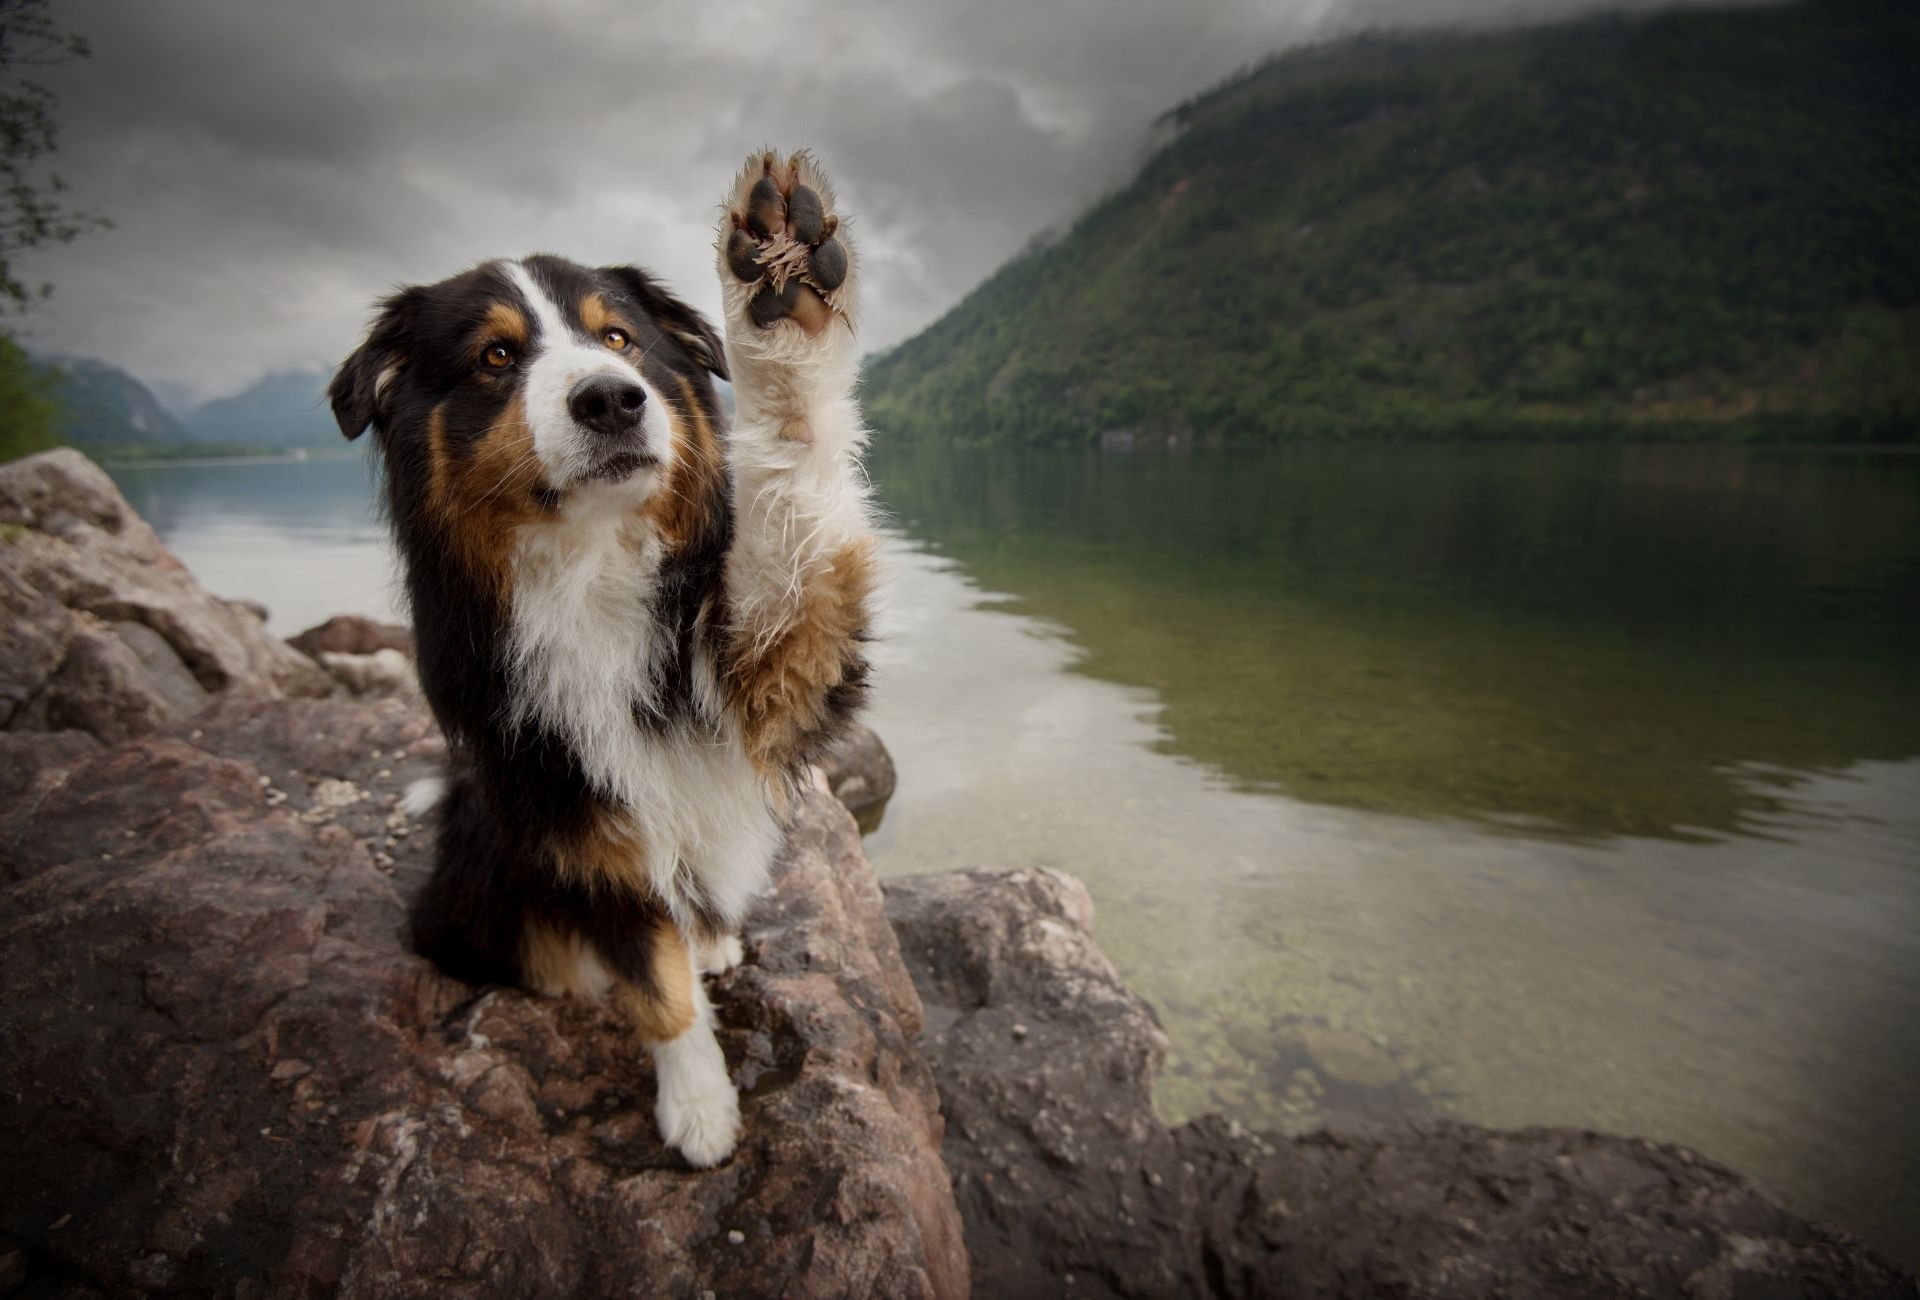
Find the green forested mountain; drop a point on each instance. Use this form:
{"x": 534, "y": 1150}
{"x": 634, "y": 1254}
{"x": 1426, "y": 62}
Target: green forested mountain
{"x": 102, "y": 408}
{"x": 1692, "y": 224}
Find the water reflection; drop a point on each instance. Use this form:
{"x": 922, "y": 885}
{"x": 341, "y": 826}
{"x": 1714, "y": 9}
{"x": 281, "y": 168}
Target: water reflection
{"x": 1315, "y": 963}
{"x": 301, "y": 537}
{"x": 1587, "y": 640}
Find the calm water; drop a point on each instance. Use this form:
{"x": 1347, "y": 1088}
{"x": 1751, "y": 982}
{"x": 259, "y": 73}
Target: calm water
{"x": 1520, "y": 785}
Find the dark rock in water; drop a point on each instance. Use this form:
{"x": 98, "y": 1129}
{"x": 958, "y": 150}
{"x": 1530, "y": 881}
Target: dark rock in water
{"x": 1046, "y": 1066}
{"x": 350, "y": 634}
{"x": 1450, "y": 1210}
{"x": 860, "y": 773}
{"x": 101, "y": 629}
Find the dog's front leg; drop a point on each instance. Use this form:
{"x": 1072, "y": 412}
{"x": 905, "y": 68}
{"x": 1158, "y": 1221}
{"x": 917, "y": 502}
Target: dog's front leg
{"x": 801, "y": 570}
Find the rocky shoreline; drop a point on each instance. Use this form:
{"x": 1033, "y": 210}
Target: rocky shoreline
{"x": 221, "y": 1071}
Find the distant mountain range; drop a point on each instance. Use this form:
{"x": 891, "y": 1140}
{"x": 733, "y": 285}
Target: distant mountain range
{"x": 286, "y": 408}
{"x": 1695, "y": 224}
{"x": 102, "y": 406}
{"x": 106, "y": 410}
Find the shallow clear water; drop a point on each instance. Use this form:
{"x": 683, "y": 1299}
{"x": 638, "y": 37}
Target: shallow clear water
{"x": 1522, "y": 785}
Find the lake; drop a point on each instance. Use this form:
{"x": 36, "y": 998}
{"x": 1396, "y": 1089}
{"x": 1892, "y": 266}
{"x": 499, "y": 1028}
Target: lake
{"x": 1515, "y": 784}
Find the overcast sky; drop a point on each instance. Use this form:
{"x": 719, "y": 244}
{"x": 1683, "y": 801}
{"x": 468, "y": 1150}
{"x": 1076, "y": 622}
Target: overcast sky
{"x": 271, "y": 168}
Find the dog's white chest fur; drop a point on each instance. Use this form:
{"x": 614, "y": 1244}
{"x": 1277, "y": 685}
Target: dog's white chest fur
{"x": 585, "y": 656}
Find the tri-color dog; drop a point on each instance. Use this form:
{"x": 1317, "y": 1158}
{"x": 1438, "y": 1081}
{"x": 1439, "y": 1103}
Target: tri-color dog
{"x": 635, "y": 624}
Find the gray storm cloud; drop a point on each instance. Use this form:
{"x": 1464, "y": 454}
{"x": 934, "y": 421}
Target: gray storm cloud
{"x": 271, "y": 168}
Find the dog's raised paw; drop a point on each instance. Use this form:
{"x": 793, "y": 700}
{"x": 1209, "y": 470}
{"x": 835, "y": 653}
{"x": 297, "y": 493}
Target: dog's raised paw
{"x": 785, "y": 241}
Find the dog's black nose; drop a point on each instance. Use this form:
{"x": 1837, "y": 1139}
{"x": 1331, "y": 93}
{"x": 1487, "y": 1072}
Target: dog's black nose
{"x": 607, "y": 404}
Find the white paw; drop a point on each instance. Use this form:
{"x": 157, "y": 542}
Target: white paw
{"x": 697, "y": 1110}
{"x": 720, "y": 956}
{"x": 701, "y": 1126}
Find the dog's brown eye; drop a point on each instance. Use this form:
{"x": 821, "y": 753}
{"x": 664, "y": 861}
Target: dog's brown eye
{"x": 498, "y": 356}
{"x": 616, "y": 339}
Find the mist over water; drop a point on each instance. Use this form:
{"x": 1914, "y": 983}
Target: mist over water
{"x": 1517, "y": 784}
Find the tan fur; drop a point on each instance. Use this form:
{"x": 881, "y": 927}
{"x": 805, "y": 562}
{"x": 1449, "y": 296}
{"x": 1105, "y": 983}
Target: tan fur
{"x": 667, "y": 1010}
{"x": 681, "y": 509}
{"x": 607, "y": 856}
{"x": 779, "y": 689}
{"x": 504, "y": 324}
{"x": 598, "y": 317}
{"x": 556, "y": 963}
{"x": 482, "y": 498}
{"x": 560, "y": 963}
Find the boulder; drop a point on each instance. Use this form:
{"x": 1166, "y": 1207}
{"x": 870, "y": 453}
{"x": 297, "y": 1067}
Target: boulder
{"x": 860, "y": 773}
{"x": 350, "y": 634}
{"x": 221, "y": 1070}
{"x": 1455, "y": 1212}
{"x": 1046, "y": 1063}
{"x": 101, "y": 629}
{"x": 1069, "y": 1184}
{"x": 382, "y": 673}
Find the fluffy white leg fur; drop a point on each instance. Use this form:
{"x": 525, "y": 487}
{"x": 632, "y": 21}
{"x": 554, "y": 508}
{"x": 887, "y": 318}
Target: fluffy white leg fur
{"x": 697, "y": 1110}
{"x": 800, "y": 496}
{"x": 718, "y": 957}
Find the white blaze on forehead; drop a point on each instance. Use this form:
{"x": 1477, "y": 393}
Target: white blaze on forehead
{"x": 559, "y": 359}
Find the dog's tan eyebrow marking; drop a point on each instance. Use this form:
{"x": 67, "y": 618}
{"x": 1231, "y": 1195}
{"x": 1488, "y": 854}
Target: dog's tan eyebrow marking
{"x": 506, "y": 323}
{"x": 596, "y": 316}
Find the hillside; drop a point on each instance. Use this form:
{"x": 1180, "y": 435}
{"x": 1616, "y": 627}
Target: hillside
{"x": 106, "y": 411}
{"x": 100, "y": 407}
{"x": 1694, "y": 224}
{"x": 282, "y": 409}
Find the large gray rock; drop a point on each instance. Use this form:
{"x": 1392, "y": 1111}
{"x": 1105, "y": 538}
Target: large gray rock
{"x": 1046, "y": 1063}
{"x": 101, "y": 629}
{"x": 1454, "y": 1212}
{"x": 1069, "y": 1185}
{"x": 222, "y": 1072}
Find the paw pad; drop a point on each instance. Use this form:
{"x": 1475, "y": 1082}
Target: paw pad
{"x": 786, "y": 241}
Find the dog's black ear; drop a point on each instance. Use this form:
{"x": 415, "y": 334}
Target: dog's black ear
{"x": 687, "y": 326}
{"x": 356, "y": 390}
